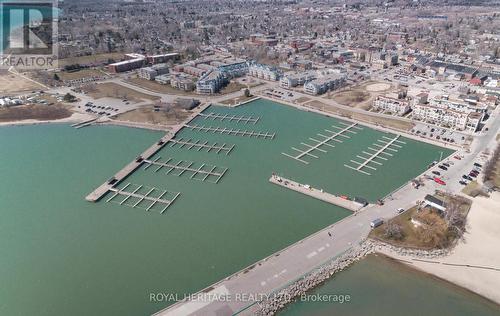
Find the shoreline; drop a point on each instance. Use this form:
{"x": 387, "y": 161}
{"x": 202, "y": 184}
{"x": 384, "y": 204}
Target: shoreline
{"x": 284, "y": 297}
{"x": 474, "y": 262}
{"x": 74, "y": 118}
{"x": 408, "y": 266}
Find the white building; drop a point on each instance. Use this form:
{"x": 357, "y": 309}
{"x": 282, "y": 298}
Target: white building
{"x": 323, "y": 84}
{"x": 391, "y": 104}
{"x": 211, "y": 82}
{"x": 150, "y": 73}
{"x": 293, "y": 79}
{"x": 264, "y": 72}
{"x": 447, "y": 117}
{"x": 181, "y": 82}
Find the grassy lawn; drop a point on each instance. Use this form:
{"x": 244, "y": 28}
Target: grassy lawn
{"x": 34, "y": 112}
{"x": 237, "y": 100}
{"x": 13, "y": 83}
{"x": 302, "y": 100}
{"x": 113, "y": 90}
{"x": 383, "y": 121}
{"x": 84, "y": 73}
{"x": 471, "y": 188}
{"x": 91, "y": 60}
{"x": 434, "y": 231}
{"x": 232, "y": 87}
{"x": 159, "y": 88}
{"x": 147, "y": 114}
{"x": 411, "y": 238}
{"x": 359, "y": 96}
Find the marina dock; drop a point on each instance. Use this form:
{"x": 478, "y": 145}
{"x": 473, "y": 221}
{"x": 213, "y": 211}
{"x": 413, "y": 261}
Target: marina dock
{"x": 384, "y": 146}
{"x": 318, "y": 145}
{"x": 107, "y": 186}
{"x": 231, "y": 131}
{"x": 316, "y": 193}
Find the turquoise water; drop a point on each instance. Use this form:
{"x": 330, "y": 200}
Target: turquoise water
{"x": 379, "y": 286}
{"x": 63, "y": 255}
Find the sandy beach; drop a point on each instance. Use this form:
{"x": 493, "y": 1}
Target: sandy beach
{"x": 475, "y": 262}
{"x": 75, "y": 117}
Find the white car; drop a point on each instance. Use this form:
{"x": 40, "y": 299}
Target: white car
{"x": 400, "y": 210}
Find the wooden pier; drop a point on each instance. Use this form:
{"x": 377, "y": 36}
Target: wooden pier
{"x": 231, "y": 131}
{"x": 198, "y": 145}
{"x": 316, "y": 193}
{"x": 84, "y": 123}
{"x": 182, "y": 167}
{"x": 385, "y": 146}
{"x": 140, "y": 198}
{"x": 318, "y": 145}
{"x": 106, "y": 187}
{"x": 238, "y": 119}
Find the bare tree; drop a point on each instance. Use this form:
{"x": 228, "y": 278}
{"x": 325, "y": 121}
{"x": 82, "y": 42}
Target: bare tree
{"x": 394, "y": 231}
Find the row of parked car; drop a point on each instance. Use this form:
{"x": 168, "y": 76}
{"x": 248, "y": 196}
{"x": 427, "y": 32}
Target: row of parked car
{"x": 472, "y": 174}
{"x": 105, "y": 110}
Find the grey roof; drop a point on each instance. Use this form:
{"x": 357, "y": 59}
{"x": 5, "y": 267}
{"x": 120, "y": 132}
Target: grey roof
{"x": 434, "y": 200}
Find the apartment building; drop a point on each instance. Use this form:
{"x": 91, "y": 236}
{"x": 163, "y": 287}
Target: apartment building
{"x": 448, "y": 114}
{"x": 181, "y": 82}
{"x": 211, "y": 82}
{"x": 127, "y": 65}
{"x": 293, "y": 79}
{"x": 392, "y": 104}
{"x": 323, "y": 84}
{"x": 150, "y": 73}
{"x": 264, "y": 72}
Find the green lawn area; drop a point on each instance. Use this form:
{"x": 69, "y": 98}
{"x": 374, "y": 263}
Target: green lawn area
{"x": 433, "y": 233}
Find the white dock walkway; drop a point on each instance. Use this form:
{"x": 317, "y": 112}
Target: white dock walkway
{"x": 231, "y": 131}
{"x": 386, "y": 144}
{"x": 238, "y": 119}
{"x": 316, "y": 146}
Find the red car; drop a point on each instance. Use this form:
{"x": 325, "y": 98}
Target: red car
{"x": 439, "y": 181}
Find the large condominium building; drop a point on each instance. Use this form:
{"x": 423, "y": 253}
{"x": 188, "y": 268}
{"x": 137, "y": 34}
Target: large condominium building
{"x": 181, "y": 82}
{"x": 234, "y": 68}
{"x": 211, "y": 82}
{"x": 465, "y": 105}
{"x": 264, "y": 72}
{"x": 448, "y": 114}
{"x": 323, "y": 84}
{"x": 392, "y": 104}
{"x": 194, "y": 71}
{"x": 163, "y": 58}
{"x": 294, "y": 79}
{"x": 150, "y": 73}
{"x": 127, "y": 65}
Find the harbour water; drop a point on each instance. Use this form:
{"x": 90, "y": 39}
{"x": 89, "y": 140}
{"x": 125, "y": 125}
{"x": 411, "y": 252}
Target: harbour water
{"x": 63, "y": 255}
{"x": 380, "y": 286}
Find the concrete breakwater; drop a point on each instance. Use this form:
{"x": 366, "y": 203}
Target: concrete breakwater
{"x": 285, "y": 296}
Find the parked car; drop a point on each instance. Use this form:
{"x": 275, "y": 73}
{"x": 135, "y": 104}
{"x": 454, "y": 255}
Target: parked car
{"x": 376, "y": 223}
{"x": 462, "y": 182}
{"x": 442, "y": 167}
{"x": 437, "y": 173}
{"x": 400, "y": 210}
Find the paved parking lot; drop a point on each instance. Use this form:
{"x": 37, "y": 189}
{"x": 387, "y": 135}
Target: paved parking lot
{"x": 438, "y": 133}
